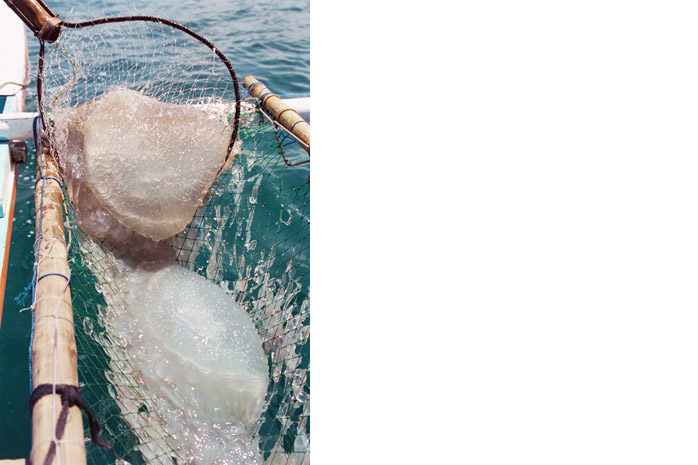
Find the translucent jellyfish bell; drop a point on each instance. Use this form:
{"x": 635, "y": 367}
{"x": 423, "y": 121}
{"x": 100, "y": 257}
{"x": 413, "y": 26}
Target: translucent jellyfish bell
{"x": 200, "y": 358}
{"x": 197, "y": 336}
{"x": 150, "y": 164}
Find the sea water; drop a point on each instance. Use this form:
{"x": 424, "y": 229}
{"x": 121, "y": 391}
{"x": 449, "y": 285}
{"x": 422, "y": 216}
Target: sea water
{"x": 268, "y": 39}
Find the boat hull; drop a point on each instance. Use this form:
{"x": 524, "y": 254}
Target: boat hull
{"x": 14, "y": 74}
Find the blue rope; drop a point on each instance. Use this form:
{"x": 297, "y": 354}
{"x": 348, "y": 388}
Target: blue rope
{"x": 299, "y": 121}
{"x": 284, "y": 137}
{"x": 262, "y": 98}
{"x": 21, "y": 298}
{"x": 52, "y": 274}
{"x": 249, "y": 88}
{"x": 49, "y": 177}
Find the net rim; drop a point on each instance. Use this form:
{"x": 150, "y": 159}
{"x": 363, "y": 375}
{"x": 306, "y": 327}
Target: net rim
{"x": 151, "y": 19}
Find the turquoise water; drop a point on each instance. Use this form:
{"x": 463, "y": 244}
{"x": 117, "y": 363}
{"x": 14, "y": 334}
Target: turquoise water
{"x": 267, "y": 39}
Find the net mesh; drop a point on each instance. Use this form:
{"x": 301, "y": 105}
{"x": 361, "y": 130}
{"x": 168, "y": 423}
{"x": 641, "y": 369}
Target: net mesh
{"x": 251, "y": 238}
{"x": 148, "y": 57}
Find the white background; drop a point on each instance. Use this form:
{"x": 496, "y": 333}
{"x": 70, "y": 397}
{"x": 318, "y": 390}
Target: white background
{"x": 504, "y": 238}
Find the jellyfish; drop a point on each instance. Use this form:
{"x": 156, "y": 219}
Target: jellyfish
{"x": 145, "y": 166}
{"x": 200, "y": 360}
{"x": 136, "y": 170}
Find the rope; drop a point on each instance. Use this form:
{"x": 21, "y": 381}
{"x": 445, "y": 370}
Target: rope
{"x": 52, "y": 274}
{"x": 49, "y": 177}
{"x": 299, "y": 121}
{"x": 266, "y": 96}
{"x": 249, "y": 88}
{"x": 55, "y": 317}
{"x": 70, "y": 396}
{"x": 20, "y": 84}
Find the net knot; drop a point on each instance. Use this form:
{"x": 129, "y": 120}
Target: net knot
{"x": 70, "y": 396}
{"x": 51, "y": 29}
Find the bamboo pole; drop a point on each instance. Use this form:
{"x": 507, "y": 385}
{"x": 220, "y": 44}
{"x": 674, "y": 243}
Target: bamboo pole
{"x": 282, "y": 113}
{"x": 54, "y": 354}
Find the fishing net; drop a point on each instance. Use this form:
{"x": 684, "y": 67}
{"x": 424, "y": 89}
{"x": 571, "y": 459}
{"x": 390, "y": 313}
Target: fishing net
{"x": 127, "y": 122}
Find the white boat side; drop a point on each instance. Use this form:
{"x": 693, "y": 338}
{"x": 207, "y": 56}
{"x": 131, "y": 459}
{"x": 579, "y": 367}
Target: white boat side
{"x": 14, "y": 72}
{"x": 17, "y": 125}
{"x": 14, "y": 76}
{"x": 301, "y": 105}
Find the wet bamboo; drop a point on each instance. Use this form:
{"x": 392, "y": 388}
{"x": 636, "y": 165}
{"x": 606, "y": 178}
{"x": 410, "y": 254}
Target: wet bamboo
{"x": 54, "y": 354}
{"x": 281, "y": 112}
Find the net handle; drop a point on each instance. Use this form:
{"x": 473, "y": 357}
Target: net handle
{"x": 38, "y": 17}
